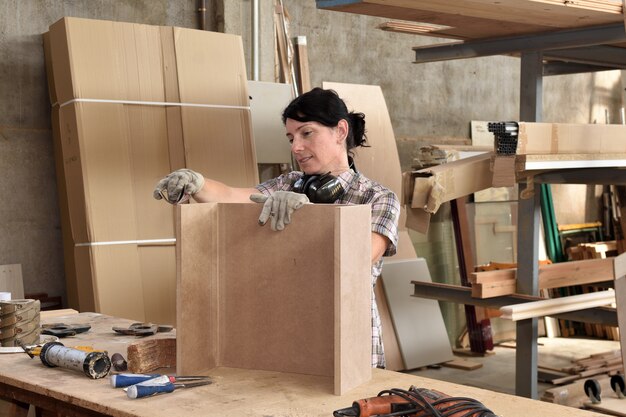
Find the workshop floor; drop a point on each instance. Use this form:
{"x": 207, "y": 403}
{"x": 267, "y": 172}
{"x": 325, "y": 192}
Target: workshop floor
{"x": 498, "y": 370}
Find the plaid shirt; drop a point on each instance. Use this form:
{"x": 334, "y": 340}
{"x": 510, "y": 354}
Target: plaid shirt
{"x": 385, "y": 214}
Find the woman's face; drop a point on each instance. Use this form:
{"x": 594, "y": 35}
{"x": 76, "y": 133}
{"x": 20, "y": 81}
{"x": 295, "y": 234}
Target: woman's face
{"x": 318, "y": 148}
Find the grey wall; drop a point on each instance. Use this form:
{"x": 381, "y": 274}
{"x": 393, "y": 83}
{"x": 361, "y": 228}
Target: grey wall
{"x": 426, "y": 101}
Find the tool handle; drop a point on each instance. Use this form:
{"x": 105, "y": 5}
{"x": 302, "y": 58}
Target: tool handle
{"x": 126, "y": 380}
{"x": 145, "y": 390}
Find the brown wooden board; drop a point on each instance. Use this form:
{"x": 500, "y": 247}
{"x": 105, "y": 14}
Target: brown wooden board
{"x": 475, "y": 19}
{"x": 291, "y": 301}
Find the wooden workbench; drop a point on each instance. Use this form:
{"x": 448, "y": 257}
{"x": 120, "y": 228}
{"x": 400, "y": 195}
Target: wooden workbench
{"x": 235, "y": 392}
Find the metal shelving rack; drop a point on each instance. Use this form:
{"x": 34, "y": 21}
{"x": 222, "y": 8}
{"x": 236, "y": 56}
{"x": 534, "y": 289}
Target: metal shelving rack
{"x": 558, "y": 52}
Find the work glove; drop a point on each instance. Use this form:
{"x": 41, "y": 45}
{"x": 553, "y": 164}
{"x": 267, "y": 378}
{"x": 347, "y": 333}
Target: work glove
{"x": 178, "y": 186}
{"x": 279, "y": 206}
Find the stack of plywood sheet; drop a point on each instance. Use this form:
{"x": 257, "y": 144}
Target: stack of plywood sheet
{"x": 131, "y": 103}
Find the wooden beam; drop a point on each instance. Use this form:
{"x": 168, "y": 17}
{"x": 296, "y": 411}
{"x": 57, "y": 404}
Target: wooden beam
{"x": 502, "y": 282}
{"x": 553, "y": 306}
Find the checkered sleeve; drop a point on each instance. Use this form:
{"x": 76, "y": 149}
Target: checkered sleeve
{"x": 385, "y": 215}
{"x": 283, "y": 182}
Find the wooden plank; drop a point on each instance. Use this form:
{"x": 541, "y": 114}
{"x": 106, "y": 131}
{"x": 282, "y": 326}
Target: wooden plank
{"x": 494, "y": 289}
{"x": 11, "y": 280}
{"x": 557, "y": 305}
{"x": 464, "y": 364}
{"x": 280, "y": 309}
{"x": 479, "y": 18}
{"x": 570, "y": 138}
{"x": 494, "y": 283}
{"x": 608, "y": 405}
{"x": 393, "y": 356}
{"x": 302, "y": 69}
{"x": 438, "y": 184}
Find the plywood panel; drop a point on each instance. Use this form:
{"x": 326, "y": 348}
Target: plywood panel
{"x": 197, "y": 288}
{"x": 419, "y": 324}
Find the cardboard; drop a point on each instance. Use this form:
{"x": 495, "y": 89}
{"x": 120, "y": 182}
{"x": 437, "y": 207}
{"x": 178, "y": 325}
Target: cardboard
{"x": 115, "y": 138}
{"x": 291, "y": 301}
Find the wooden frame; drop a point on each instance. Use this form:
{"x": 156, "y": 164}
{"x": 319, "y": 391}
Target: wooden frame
{"x": 293, "y": 301}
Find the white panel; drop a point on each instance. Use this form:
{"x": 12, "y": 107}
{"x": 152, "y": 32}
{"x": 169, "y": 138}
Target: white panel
{"x": 418, "y": 322}
{"x": 268, "y": 100}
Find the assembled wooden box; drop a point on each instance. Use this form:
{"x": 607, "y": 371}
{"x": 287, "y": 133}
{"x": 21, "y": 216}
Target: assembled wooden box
{"x": 296, "y": 300}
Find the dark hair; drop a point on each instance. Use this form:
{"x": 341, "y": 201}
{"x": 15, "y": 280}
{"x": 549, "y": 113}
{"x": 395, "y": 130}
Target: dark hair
{"x": 325, "y": 107}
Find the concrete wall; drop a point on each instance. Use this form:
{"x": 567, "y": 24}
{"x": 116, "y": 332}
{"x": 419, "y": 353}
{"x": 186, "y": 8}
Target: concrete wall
{"x": 427, "y": 102}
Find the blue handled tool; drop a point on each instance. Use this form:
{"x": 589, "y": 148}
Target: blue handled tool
{"x": 126, "y": 379}
{"x": 160, "y": 385}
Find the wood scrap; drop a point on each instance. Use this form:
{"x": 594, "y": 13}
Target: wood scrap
{"x": 151, "y": 354}
{"x": 557, "y": 305}
{"x": 464, "y": 364}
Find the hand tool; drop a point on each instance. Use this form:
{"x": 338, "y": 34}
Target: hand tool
{"x": 126, "y": 380}
{"x": 63, "y": 330}
{"x": 416, "y": 402}
{"x": 94, "y": 364}
{"x": 160, "y": 385}
{"x": 142, "y": 329}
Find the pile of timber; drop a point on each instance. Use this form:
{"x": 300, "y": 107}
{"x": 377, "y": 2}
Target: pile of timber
{"x": 494, "y": 283}
{"x": 571, "y": 379}
{"x": 593, "y": 250}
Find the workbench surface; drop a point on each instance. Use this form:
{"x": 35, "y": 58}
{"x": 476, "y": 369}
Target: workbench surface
{"x": 235, "y": 392}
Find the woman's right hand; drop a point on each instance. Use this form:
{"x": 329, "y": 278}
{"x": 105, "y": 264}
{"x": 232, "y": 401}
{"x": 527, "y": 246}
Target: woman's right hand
{"x": 178, "y": 186}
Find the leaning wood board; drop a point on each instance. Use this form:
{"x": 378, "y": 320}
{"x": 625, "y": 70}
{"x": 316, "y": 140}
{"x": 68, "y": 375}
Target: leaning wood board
{"x": 294, "y": 301}
{"x": 234, "y": 392}
{"x": 418, "y": 322}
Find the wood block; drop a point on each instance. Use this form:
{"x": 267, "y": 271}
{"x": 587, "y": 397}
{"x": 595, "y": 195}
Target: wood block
{"x": 462, "y": 364}
{"x": 292, "y": 301}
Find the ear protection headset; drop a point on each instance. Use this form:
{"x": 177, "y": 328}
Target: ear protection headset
{"x": 324, "y": 189}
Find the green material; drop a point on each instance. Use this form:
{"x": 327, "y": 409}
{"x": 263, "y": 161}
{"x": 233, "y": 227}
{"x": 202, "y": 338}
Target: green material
{"x": 550, "y": 229}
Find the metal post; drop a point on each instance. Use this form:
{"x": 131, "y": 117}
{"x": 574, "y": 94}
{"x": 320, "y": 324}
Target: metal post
{"x": 528, "y": 235}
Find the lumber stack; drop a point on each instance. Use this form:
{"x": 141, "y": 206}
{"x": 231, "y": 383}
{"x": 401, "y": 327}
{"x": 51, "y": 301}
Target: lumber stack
{"x": 132, "y": 103}
{"x": 593, "y": 250}
{"x": 571, "y": 378}
{"x": 492, "y": 282}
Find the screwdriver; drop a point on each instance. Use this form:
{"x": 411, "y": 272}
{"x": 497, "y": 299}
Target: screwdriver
{"x": 159, "y": 385}
{"x": 126, "y": 379}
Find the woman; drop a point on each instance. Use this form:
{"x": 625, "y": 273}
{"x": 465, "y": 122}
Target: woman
{"x": 322, "y": 134}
